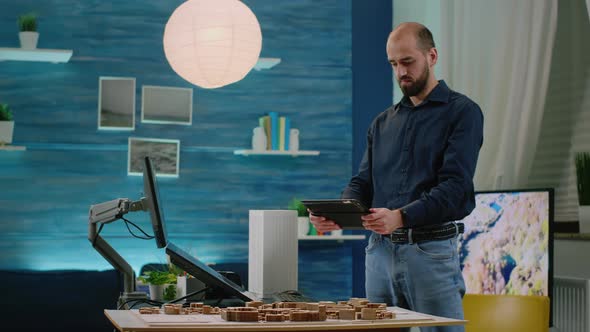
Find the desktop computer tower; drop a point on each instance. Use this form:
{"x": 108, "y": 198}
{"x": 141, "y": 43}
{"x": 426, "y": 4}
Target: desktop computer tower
{"x": 273, "y": 252}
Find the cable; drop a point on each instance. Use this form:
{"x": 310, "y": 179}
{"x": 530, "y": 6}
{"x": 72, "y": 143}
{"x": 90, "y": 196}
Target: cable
{"x": 148, "y": 301}
{"x": 189, "y": 295}
{"x": 147, "y": 236}
{"x": 96, "y": 236}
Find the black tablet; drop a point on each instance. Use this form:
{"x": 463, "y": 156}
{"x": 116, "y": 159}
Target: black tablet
{"x": 345, "y": 212}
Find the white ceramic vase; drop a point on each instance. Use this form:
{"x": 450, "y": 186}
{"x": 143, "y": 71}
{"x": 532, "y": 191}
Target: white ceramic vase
{"x": 302, "y": 226}
{"x": 294, "y": 139}
{"x": 584, "y": 218}
{"x": 258, "y": 139}
{"x": 6, "y": 130}
{"x": 28, "y": 39}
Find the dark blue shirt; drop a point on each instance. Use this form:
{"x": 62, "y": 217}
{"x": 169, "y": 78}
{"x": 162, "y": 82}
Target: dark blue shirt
{"x": 422, "y": 158}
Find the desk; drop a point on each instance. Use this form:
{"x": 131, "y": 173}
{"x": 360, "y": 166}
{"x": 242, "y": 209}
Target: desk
{"x": 130, "y": 320}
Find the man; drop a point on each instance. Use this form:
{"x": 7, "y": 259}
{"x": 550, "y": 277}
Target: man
{"x": 417, "y": 174}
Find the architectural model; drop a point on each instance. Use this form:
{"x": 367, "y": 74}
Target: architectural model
{"x": 255, "y": 311}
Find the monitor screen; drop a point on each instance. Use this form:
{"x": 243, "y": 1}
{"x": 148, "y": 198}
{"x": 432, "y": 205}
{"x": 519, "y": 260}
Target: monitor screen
{"x": 507, "y": 246}
{"x": 150, "y": 188}
{"x": 205, "y": 273}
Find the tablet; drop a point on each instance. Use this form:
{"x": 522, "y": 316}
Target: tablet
{"x": 345, "y": 212}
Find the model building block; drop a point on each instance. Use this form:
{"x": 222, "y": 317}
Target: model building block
{"x": 275, "y": 318}
{"x": 369, "y": 314}
{"x": 346, "y": 314}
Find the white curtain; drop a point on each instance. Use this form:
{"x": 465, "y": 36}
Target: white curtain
{"x": 499, "y": 53}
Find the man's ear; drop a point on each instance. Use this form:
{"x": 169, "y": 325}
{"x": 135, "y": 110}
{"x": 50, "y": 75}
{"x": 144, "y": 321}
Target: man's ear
{"x": 432, "y": 56}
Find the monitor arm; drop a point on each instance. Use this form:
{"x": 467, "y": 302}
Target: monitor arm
{"x": 107, "y": 212}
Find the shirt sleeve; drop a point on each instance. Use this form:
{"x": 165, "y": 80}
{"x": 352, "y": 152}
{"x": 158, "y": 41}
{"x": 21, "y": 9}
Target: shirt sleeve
{"x": 453, "y": 196}
{"x": 360, "y": 186}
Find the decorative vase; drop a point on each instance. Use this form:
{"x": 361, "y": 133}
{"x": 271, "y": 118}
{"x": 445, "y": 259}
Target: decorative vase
{"x": 258, "y": 139}
{"x": 294, "y": 140}
{"x": 584, "y": 218}
{"x": 28, "y": 39}
{"x": 6, "y": 130}
{"x": 302, "y": 226}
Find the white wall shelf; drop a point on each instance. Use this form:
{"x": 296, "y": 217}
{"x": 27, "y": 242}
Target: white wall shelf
{"x": 332, "y": 237}
{"x": 266, "y": 63}
{"x": 12, "y": 148}
{"x": 276, "y": 153}
{"x": 38, "y": 54}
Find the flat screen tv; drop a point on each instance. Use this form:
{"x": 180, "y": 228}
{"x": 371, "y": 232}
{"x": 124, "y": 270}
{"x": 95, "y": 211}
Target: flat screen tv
{"x": 507, "y": 246}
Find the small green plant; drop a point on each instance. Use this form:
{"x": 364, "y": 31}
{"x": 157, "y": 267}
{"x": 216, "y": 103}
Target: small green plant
{"x": 170, "y": 293}
{"x": 5, "y": 113}
{"x": 582, "y": 161}
{"x": 158, "y": 277}
{"x": 296, "y": 204}
{"x": 27, "y": 22}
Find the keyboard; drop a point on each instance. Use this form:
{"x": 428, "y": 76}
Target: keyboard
{"x": 291, "y": 296}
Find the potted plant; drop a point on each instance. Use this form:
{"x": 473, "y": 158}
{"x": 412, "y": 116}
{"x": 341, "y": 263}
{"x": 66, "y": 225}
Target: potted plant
{"x": 162, "y": 284}
{"x": 582, "y": 161}
{"x": 304, "y": 227}
{"x": 28, "y": 35}
{"x": 6, "y": 124}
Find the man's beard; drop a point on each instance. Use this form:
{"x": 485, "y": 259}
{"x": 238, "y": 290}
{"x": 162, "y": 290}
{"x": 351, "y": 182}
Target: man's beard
{"x": 415, "y": 88}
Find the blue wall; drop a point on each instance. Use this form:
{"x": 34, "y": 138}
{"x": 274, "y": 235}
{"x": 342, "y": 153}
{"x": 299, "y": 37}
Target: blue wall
{"x": 69, "y": 164}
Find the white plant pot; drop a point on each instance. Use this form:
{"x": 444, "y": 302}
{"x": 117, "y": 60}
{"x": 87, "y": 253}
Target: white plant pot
{"x": 584, "y": 218}
{"x": 28, "y": 39}
{"x": 302, "y": 226}
{"x": 6, "y": 130}
{"x": 157, "y": 291}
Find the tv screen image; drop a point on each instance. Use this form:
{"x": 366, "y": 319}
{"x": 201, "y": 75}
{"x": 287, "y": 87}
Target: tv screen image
{"x": 507, "y": 244}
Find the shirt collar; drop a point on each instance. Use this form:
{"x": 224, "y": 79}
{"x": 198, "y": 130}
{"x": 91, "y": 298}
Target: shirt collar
{"x": 440, "y": 93}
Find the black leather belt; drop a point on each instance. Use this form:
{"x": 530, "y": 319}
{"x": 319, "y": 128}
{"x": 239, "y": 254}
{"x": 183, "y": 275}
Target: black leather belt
{"x": 426, "y": 233}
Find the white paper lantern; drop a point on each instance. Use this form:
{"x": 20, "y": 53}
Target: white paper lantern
{"x": 212, "y": 43}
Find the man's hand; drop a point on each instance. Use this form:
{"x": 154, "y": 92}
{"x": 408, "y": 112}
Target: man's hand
{"x": 322, "y": 224}
{"x": 382, "y": 220}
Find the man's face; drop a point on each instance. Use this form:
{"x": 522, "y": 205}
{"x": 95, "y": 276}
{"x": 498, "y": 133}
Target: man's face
{"x": 410, "y": 64}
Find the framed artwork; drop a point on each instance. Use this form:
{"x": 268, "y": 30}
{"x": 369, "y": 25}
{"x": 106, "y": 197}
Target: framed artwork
{"x": 169, "y": 105}
{"x": 116, "y": 103}
{"x": 164, "y": 153}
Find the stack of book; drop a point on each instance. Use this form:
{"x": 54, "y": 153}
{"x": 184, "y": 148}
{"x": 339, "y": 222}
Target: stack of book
{"x": 277, "y": 129}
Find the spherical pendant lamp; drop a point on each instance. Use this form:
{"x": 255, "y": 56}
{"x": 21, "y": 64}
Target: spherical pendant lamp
{"x": 212, "y": 43}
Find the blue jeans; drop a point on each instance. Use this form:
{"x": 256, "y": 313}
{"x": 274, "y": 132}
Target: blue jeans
{"x": 424, "y": 277}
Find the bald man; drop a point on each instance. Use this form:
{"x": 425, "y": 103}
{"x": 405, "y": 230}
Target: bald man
{"x": 417, "y": 175}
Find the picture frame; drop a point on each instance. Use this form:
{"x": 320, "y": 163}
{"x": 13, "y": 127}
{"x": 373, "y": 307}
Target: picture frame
{"x": 166, "y": 105}
{"x": 116, "y": 103}
{"x": 165, "y": 154}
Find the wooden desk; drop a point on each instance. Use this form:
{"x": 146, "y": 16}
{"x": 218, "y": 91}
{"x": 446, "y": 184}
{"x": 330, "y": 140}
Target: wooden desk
{"x": 131, "y": 320}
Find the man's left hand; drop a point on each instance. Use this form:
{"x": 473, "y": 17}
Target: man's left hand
{"x": 382, "y": 220}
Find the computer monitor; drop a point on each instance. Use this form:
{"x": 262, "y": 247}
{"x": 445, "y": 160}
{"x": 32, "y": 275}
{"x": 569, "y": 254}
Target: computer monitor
{"x": 507, "y": 246}
{"x": 152, "y": 195}
{"x": 205, "y": 273}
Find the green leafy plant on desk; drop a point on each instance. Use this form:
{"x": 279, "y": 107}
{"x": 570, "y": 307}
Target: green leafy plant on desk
{"x": 159, "y": 278}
